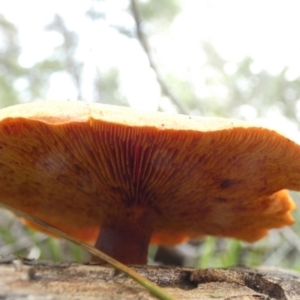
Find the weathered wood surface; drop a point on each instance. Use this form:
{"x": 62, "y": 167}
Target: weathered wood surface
{"x": 37, "y": 280}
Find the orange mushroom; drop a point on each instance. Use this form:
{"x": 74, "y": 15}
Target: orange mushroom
{"x": 144, "y": 177}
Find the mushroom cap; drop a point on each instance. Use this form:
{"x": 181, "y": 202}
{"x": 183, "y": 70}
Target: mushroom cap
{"x": 73, "y": 164}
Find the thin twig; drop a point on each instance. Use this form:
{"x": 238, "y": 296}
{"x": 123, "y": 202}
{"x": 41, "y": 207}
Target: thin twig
{"x": 145, "y": 44}
{"x": 146, "y": 283}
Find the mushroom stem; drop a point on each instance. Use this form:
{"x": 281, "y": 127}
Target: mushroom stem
{"x": 125, "y": 236}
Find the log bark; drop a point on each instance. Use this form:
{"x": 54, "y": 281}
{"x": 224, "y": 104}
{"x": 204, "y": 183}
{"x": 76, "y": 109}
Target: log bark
{"x": 37, "y": 280}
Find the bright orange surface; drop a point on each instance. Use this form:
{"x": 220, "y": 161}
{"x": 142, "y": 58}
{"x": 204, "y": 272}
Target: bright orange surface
{"x": 75, "y": 165}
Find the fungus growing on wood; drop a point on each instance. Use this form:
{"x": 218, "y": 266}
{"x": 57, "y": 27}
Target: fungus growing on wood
{"x": 144, "y": 177}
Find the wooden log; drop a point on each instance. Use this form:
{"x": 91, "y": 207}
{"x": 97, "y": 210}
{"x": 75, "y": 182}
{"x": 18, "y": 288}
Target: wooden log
{"x": 37, "y": 280}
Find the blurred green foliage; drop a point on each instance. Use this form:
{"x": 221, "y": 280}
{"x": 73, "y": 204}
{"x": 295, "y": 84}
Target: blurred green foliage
{"x": 159, "y": 12}
{"x": 226, "y": 88}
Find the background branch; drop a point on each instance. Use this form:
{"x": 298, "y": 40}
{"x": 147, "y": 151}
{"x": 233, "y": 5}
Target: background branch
{"x": 145, "y": 44}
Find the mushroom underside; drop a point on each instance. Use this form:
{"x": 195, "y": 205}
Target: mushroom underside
{"x": 126, "y": 236}
{"x": 141, "y": 184}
